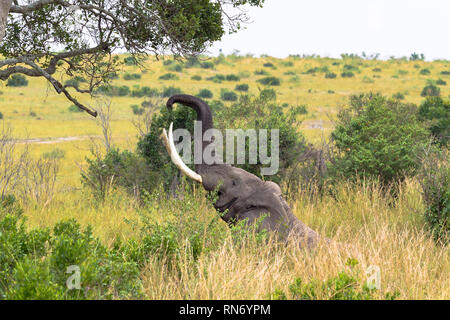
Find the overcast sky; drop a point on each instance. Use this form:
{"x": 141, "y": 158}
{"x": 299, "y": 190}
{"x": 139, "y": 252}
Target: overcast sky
{"x": 332, "y": 27}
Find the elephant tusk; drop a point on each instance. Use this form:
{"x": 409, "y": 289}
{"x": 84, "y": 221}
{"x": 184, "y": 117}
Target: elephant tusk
{"x": 170, "y": 146}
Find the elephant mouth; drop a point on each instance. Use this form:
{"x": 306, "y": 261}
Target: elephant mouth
{"x": 226, "y": 205}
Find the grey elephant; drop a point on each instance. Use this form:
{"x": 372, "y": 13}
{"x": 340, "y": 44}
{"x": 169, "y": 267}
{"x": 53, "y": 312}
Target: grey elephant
{"x": 241, "y": 195}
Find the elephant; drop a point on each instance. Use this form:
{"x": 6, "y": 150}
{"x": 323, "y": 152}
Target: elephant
{"x": 241, "y": 195}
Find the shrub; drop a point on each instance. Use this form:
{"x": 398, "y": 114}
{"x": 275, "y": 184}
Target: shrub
{"x": 154, "y": 152}
{"x": 167, "y": 62}
{"x": 269, "y": 65}
{"x": 263, "y": 112}
{"x": 218, "y": 78}
{"x": 434, "y": 178}
{"x": 376, "y": 70}
{"x": 1, "y": 116}
{"x": 232, "y": 77}
{"x": 196, "y": 78}
{"x": 144, "y": 92}
{"x": 205, "y": 93}
{"x": 207, "y": 65}
{"x": 227, "y": 95}
{"x": 330, "y": 75}
{"x": 129, "y": 61}
{"x": 270, "y": 81}
{"x": 424, "y": 71}
{"x": 177, "y": 68}
{"x": 131, "y": 76}
{"x": 168, "y": 76}
{"x": 33, "y": 114}
{"x": 398, "y": 95}
{"x": 268, "y": 94}
{"x": 118, "y": 169}
{"x": 430, "y": 91}
{"x": 54, "y": 154}
{"x": 377, "y": 138}
{"x": 17, "y": 80}
{"x": 349, "y": 67}
{"x": 347, "y": 74}
{"x": 435, "y": 112}
{"x": 34, "y": 263}
{"x": 287, "y": 63}
{"x": 445, "y": 73}
{"x": 74, "y": 108}
{"x": 441, "y": 82}
{"x": 170, "y": 91}
{"x": 261, "y": 72}
{"x": 347, "y": 285}
{"x": 137, "y": 110}
{"x": 241, "y": 87}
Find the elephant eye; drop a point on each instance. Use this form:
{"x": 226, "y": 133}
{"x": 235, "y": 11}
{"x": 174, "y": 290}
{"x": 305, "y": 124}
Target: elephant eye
{"x": 219, "y": 193}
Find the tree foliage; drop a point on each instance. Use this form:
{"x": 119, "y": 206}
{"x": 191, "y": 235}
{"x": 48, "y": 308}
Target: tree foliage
{"x": 78, "y": 37}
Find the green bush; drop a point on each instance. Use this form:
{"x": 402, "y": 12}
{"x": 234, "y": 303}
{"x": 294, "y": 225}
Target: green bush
{"x": 114, "y": 90}
{"x": 398, "y": 95}
{"x": 441, "y": 82}
{"x": 269, "y": 81}
{"x": 151, "y": 148}
{"x": 347, "y": 74}
{"x": 1, "y": 116}
{"x": 227, "y": 95}
{"x": 376, "y": 70}
{"x": 176, "y": 67}
{"x": 54, "y": 154}
{"x": 137, "y": 110}
{"x": 430, "y": 91}
{"x": 144, "y": 92}
{"x": 218, "y": 78}
{"x": 33, "y": 264}
{"x": 269, "y": 65}
{"x": 168, "y": 76}
{"x": 261, "y": 72}
{"x": 118, "y": 169}
{"x": 435, "y": 112}
{"x": 129, "y": 61}
{"x": 196, "y": 78}
{"x": 17, "y": 80}
{"x": 377, "y": 138}
{"x": 263, "y": 112}
{"x": 131, "y": 76}
{"x": 205, "y": 93}
{"x": 74, "y": 108}
{"x": 241, "y": 87}
{"x": 330, "y": 75}
{"x": 232, "y": 77}
{"x": 170, "y": 91}
{"x": 434, "y": 178}
{"x": 207, "y": 65}
{"x": 445, "y": 73}
{"x": 347, "y": 285}
{"x": 424, "y": 71}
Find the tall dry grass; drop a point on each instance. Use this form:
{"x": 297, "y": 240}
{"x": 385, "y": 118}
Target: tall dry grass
{"x": 361, "y": 224}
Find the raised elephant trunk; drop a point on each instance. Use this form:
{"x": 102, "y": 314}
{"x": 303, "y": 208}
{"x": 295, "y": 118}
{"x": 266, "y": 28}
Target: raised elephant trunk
{"x": 204, "y": 115}
{"x": 241, "y": 195}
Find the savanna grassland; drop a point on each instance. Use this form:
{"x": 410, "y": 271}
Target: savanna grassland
{"x": 206, "y": 260}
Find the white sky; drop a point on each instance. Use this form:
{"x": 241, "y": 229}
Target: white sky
{"x": 332, "y": 27}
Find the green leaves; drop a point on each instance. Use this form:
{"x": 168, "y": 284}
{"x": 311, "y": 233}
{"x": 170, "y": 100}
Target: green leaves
{"x": 379, "y": 138}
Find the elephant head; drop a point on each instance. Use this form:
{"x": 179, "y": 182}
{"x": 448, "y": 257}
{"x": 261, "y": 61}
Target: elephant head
{"x": 241, "y": 195}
